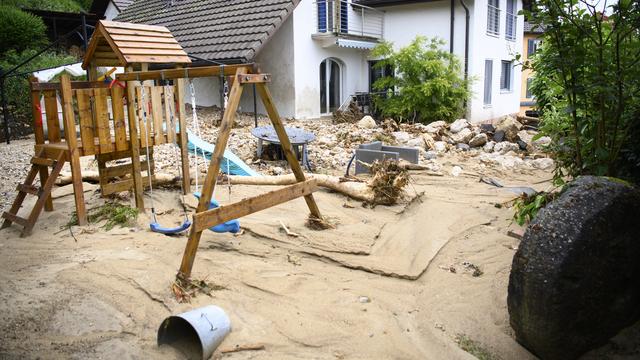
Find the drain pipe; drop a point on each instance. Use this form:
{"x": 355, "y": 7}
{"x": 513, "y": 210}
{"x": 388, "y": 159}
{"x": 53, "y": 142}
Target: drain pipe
{"x": 466, "y": 40}
{"x": 452, "y": 27}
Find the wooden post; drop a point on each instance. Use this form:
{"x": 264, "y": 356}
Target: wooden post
{"x": 265, "y": 95}
{"x": 183, "y": 138}
{"x": 212, "y": 174}
{"x": 72, "y": 145}
{"x": 38, "y": 131}
{"x": 135, "y": 143}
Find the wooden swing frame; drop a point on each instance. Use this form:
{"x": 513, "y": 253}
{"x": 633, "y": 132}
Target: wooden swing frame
{"x": 205, "y": 218}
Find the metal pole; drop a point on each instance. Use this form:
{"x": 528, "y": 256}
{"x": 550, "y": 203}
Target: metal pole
{"x": 5, "y": 110}
{"x": 255, "y": 106}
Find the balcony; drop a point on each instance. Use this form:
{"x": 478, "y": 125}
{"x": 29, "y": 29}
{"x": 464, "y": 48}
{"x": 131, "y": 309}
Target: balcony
{"x": 346, "y": 21}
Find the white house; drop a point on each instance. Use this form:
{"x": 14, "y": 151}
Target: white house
{"x": 109, "y": 8}
{"x": 318, "y": 50}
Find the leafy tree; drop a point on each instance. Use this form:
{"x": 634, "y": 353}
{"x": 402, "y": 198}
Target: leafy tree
{"x": 587, "y": 84}
{"x": 20, "y": 30}
{"x": 428, "y": 82}
{"x": 54, "y": 5}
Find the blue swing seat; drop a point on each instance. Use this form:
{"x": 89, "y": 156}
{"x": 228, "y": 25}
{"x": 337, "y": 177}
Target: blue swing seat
{"x": 232, "y": 226}
{"x": 155, "y": 227}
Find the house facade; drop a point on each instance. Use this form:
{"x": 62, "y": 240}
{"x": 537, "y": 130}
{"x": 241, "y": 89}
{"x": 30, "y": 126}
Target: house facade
{"x": 318, "y": 51}
{"x": 531, "y": 40}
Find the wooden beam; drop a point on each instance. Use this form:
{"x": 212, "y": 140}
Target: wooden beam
{"x": 196, "y": 72}
{"x": 39, "y": 133}
{"x": 182, "y": 139}
{"x": 254, "y": 78}
{"x": 222, "y": 214}
{"x": 74, "y": 85}
{"x": 212, "y": 173}
{"x": 66, "y": 95}
{"x": 270, "y": 106}
{"x": 135, "y": 143}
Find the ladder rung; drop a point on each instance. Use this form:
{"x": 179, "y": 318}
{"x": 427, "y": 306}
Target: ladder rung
{"x": 15, "y": 219}
{"x": 29, "y": 189}
{"x": 42, "y": 161}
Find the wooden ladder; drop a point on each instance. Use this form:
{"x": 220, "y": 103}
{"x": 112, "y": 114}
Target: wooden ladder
{"x": 38, "y": 163}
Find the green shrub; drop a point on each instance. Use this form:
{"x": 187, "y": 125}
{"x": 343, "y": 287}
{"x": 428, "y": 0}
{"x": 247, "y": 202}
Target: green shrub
{"x": 54, "y": 5}
{"x": 20, "y": 30}
{"x": 428, "y": 82}
{"x": 587, "y": 81}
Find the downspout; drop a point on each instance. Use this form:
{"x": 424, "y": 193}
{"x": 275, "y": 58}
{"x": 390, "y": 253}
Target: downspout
{"x": 451, "y": 28}
{"x": 466, "y": 48}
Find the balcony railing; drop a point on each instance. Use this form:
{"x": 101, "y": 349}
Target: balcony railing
{"x": 347, "y": 18}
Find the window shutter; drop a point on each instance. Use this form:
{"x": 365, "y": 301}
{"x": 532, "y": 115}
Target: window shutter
{"x": 344, "y": 17}
{"x": 488, "y": 76}
{"x": 322, "y": 16}
{"x": 530, "y": 44}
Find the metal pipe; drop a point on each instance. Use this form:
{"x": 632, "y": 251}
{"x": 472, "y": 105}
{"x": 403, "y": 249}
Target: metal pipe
{"x": 84, "y": 38}
{"x": 451, "y": 25}
{"x": 466, "y": 39}
{"x": 255, "y": 107}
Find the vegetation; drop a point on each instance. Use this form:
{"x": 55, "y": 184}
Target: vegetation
{"x": 54, "y": 5}
{"x": 587, "y": 85}
{"x": 474, "y": 348}
{"x": 114, "y": 214}
{"x": 428, "y": 84}
{"x": 527, "y": 206}
{"x": 19, "y": 30}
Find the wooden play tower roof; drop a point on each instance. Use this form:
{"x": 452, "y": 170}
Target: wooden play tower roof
{"x": 122, "y": 44}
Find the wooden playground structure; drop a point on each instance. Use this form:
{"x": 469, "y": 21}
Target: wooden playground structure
{"x": 107, "y": 120}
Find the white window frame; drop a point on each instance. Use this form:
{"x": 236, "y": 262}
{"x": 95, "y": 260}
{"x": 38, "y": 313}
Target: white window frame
{"x": 512, "y": 18}
{"x": 502, "y": 76}
{"x": 493, "y": 18}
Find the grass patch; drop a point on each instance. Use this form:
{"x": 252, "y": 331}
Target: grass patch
{"x": 114, "y": 214}
{"x": 474, "y": 348}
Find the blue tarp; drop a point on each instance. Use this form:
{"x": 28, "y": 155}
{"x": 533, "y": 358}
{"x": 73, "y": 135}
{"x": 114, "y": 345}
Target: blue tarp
{"x": 236, "y": 165}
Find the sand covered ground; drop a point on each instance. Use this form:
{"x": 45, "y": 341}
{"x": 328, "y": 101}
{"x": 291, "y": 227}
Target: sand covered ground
{"x": 388, "y": 283}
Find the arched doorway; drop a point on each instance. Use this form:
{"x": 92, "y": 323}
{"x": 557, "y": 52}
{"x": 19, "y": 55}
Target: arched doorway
{"x": 330, "y": 85}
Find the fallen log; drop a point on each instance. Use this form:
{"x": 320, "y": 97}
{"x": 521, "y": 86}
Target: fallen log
{"x": 92, "y": 176}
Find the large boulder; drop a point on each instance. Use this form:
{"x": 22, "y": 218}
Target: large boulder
{"x": 463, "y": 136}
{"x": 478, "y": 140}
{"x": 435, "y": 127}
{"x": 367, "y": 122}
{"x": 574, "y": 280}
{"x": 510, "y": 126}
{"x": 458, "y": 125}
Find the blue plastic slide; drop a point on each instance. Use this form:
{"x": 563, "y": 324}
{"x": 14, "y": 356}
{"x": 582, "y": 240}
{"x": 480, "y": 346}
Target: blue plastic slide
{"x": 235, "y": 165}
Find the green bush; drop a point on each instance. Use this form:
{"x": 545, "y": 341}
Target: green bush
{"x": 20, "y": 30}
{"x": 53, "y": 5}
{"x": 428, "y": 82}
{"x": 587, "y": 82}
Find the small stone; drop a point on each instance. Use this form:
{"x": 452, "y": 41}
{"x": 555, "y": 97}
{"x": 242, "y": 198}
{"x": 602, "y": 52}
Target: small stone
{"x": 277, "y": 170}
{"x": 364, "y": 299}
{"x": 488, "y": 147}
{"x": 430, "y": 155}
{"x": 510, "y": 126}
{"x": 456, "y": 171}
{"x": 428, "y": 141}
{"x": 543, "y": 163}
{"x": 522, "y": 144}
{"x": 463, "y": 136}
{"x": 458, "y": 126}
{"x": 367, "y": 122}
{"x": 401, "y": 136}
{"x": 498, "y": 136}
{"x": 440, "y": 146}
{"x": 463, "y": 147}
{"x": 478, "y": 140}
{"x": 487, "y": 128}
{"x": 435, "y": 127}
{"x": 505, "y": 146}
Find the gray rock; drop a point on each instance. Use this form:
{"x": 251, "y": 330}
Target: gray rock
{"x": 463, "y": 136}
{"x": 543, "y": 163}
{"x": 488, "y": 147}
{"x": 487, "y": 128}
{"x": 458, "y": 125}
{"x": 463, "y": 147}
{"x": 430, "y": 155}
{"x": 435, "y": 126}
{"x": 510, "y": 126}
{"x": 401, "y": 136}
{"x": 522, "y": 144}
{"x": 367, "y": 122}
{"x": 505, "y": 147}
{"x": 498, "y": 136}
{"x": 440, "y": 146}
{"x": 574, "y": 279}
{"x": 478, "y": 140}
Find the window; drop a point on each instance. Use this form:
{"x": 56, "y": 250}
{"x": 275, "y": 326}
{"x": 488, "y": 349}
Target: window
{"x": 376, "y": 73}
{"x": 511, "y": 20}
{"x": 488, "y": 75}
{"x": 327, "y": 9}
{"x": 505, "y": 75}
{"x": 532, "y": 46}
{"x": 529, "y": 94}
{"x": 330, "y": 85}
{"x": 493, "y": 17}
{"x": 325, "y": 16}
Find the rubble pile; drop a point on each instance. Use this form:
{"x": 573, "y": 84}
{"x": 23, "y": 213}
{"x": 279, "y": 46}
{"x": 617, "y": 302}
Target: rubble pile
{"x": 506, "y": 143}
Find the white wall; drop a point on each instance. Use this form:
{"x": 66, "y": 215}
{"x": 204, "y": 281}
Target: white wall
{"x": 308, "y": 54}
{"x": 111, "y": 11}
{"x": 497, "y": 48}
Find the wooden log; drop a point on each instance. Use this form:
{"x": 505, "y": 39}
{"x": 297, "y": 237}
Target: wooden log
{"x": 92, "y": 176}
{"x": 179, "y": 73}
{"x": 182, "y": 136}
{"x": 214, "y": 168}
{"x": 206, "y": 219}
{"x": 38, "y": 132}
{"x": 134, "y": 144}
{"x": 72, "y": 143}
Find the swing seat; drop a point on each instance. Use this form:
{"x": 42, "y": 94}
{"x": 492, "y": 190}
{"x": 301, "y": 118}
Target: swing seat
{"x": 155, "y": 227}
{"x": 232, "y": 226}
